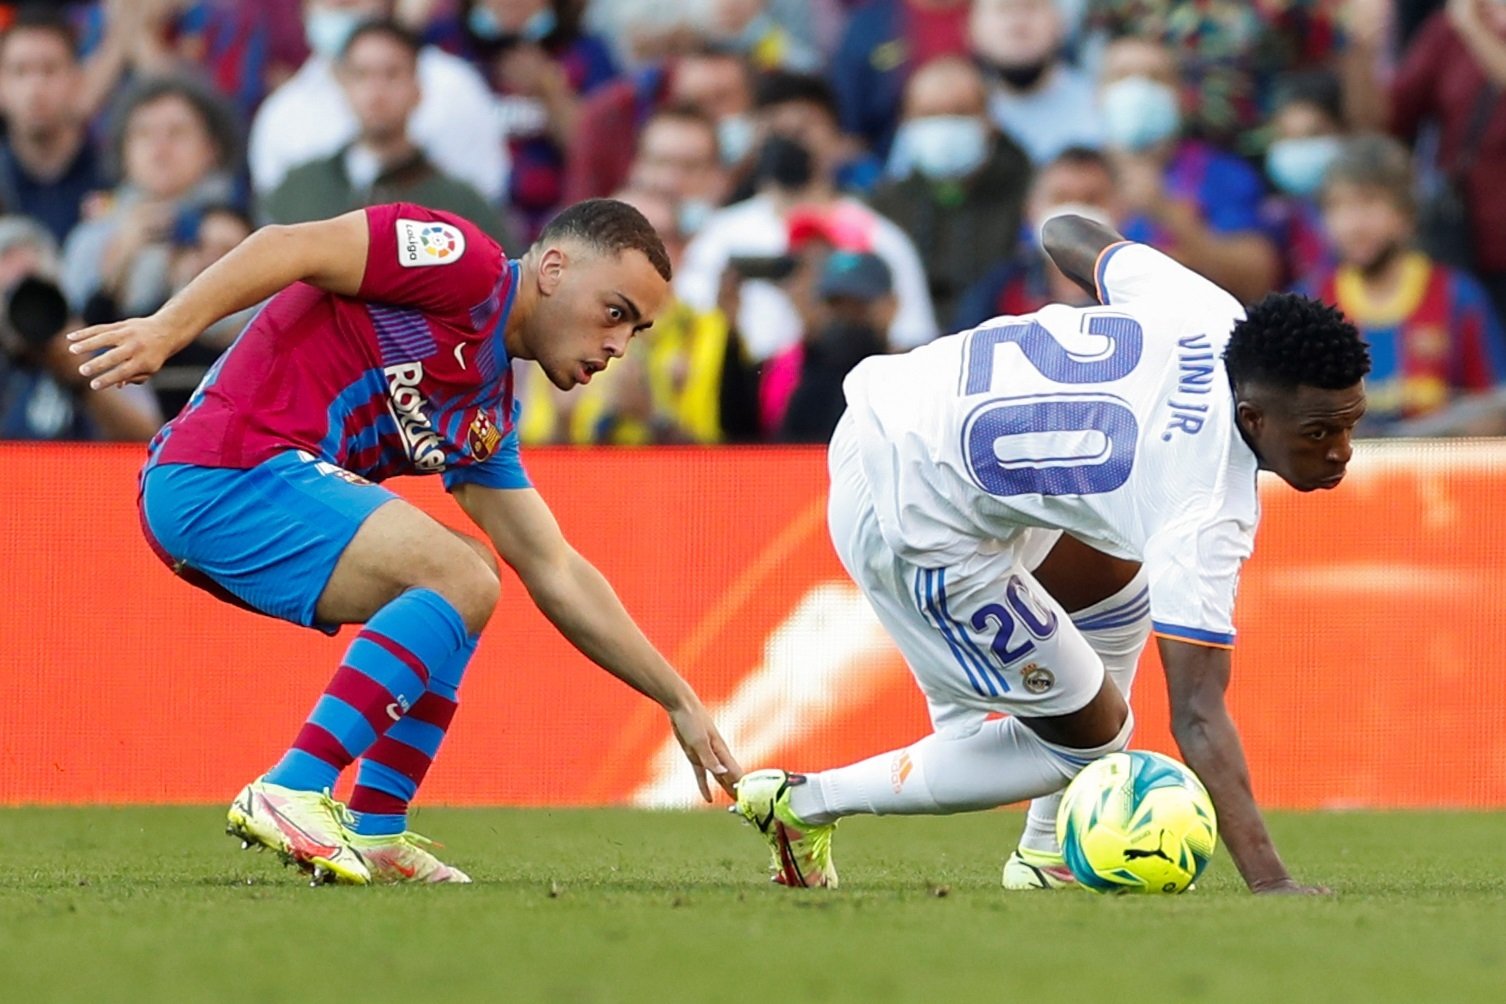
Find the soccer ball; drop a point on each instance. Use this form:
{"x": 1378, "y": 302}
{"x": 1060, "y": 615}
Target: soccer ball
{"x": 1136, "y": 822}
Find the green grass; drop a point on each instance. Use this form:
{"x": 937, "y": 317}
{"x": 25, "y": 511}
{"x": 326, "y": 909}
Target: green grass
{"x": 152, "y": 904}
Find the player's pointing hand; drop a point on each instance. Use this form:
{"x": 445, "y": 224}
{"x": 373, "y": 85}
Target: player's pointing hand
{"x": 123, "y": 352}
{"x": 704, "y": 747}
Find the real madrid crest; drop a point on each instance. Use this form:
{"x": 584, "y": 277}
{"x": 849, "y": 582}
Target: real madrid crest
{"x": 1037, "y": 679}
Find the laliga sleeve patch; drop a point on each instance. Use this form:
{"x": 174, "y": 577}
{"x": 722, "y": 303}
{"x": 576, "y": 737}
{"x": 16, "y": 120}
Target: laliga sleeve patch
{"x": 428, "y": 242}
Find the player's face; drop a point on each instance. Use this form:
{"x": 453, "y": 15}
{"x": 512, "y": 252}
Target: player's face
{"x": 1305, "y": 438}
{"x": 592, "y": 306}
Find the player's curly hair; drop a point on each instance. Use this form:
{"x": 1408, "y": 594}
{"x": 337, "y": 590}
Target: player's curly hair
{"x": 610, "y": 227}
{"x": 1287, "y": 340}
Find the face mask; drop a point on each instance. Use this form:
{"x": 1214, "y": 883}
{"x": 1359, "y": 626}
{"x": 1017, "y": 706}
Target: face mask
{"x": 327, "y": 31}
{"x": 485, "y": 26}
{"x": 1023, "y": 78}
{"x": 1139, "y": 113}
{"x": 943, "y": 147}
{"x": 784, "y": 163}
{"x": 1297, "y": 165}
{"x": 734, "y": 138}
{"x": 692, "y": 215}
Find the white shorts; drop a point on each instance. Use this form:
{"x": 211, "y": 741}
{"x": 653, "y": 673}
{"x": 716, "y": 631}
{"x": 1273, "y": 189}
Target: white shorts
{"x": 979, "y": 637}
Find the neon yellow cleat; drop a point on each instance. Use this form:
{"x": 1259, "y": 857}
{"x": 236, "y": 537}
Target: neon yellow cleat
{"x": 303, "y": 827}
{"x": 801, "y": 852}
{"x": 1027, "y": 869}
{"x": 404, "y": 857}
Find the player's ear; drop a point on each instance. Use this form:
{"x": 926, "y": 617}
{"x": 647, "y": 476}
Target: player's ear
{"x": 551, "y": 270}
{"x": 1250, "y": 417}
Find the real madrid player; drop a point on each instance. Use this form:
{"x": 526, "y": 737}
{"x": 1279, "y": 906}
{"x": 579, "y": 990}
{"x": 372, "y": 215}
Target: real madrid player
{"x": 1025, "y": 502}
{"x": 385, "y": 351}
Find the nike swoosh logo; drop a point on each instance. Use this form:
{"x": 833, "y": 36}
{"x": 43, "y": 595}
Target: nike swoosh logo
{"x": 458, "y": 357}
{"x": 394, "y": 712}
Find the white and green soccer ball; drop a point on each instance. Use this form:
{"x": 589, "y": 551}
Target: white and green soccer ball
{"x": 1136, "y": 822}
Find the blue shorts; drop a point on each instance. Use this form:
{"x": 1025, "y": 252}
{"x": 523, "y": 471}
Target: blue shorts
{"x": 266, "y": 538}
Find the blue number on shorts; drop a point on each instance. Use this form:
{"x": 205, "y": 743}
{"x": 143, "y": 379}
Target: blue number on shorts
{"x": 1096, "y": 463}
{"x": 1003, "y": 620}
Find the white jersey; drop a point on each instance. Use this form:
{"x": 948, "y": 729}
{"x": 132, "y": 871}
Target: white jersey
{"x": 1113, "y": 423}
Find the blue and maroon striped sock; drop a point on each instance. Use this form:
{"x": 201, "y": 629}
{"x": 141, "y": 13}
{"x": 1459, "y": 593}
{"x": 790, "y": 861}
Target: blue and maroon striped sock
{"x": 394, "y": 767}
{"x": 384, "y": 675}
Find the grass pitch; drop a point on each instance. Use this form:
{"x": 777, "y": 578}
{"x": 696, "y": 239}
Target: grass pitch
{"x": 153, "y": 904}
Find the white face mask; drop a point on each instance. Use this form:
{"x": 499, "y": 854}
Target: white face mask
{"x": 1297, "y": 165}
{"x": 692, "y": 215}
{"x": 1139, "y": 112}
{"x": 941, "y": 147}
{"x": 327, "y": 30}
{"x": 734, "y": 138}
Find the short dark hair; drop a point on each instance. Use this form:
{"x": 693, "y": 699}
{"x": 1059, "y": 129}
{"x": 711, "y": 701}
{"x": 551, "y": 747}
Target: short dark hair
{"x": 1289, "y": 340}
{"x": 214, "y": 112}
{"x": 1080, "y": 156}
{"x": 1319, "y": 88}
{"x": 780, "y": 87}
{"x": 387, "y": 28}
{"x": 612, "y": 227}
{"x": 35, "y": 17}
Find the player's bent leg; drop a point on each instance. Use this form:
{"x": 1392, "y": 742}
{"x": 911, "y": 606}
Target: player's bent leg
{"x": 400, "y": 547}
{"x": 1117, "y": 629}
{"x": 395, "y": 765}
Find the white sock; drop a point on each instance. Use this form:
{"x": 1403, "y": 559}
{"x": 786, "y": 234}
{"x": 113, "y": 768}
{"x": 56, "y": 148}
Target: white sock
{"x": 1119, "y": 646}
{"x": 1002, "y": 762}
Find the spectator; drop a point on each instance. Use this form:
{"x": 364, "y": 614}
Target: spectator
{"x": 379, "y": 72}
{"x": 47, "y": 164}
{"x": 234, "y": 45}
{"x": 1307, "y": 131}
{"x": 1038, "y": 98}
{"x": 802, "y": 388}
{"x": 804, "y": 108}
{"x": 176, "y": 142}
{"x": 885, "y": 41}
{"x": 678, "y": 160}
{"x": 308, "y": 117}
{"x": 1436, "y": 344}
{"x": 1454, "y": 74}
{"x": 42, "y": 395}
{"x": 1195, "y": 202}
{"x": 796, "y": 187}
{"x": 715, "y": 81}
{"x": 1232, "y": 53}
{"x": 962, "y": 184}
{"x": 541, "y": 62}
{"x": 1079, "y": 181}
{"x": 220, "y": 228}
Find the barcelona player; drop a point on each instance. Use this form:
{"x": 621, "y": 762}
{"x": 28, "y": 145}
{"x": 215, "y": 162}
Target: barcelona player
{"x": 385, "y": 350}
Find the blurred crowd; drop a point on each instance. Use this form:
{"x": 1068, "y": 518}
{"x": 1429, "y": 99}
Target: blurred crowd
{"x": 833, "y": 179}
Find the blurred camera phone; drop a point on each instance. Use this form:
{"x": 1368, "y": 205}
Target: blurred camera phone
{"x": 770, "y": 267}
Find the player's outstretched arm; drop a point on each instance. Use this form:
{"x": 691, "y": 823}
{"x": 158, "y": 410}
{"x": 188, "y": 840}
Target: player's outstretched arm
{"x": 578, "y": 600}
{"x": 1074, "y": 243}
{"x": 330, "y": 254}
{"x": 1196, "y": 678}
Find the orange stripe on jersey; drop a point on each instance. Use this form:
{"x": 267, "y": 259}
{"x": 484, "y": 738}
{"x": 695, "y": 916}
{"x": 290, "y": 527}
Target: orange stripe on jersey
{"x": 1098, "y": 265}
